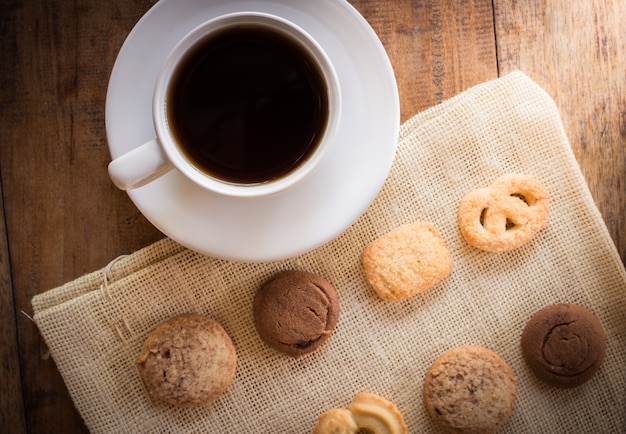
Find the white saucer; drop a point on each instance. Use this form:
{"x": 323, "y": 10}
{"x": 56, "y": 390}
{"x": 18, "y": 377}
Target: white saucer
{"x": 313, "y": 212}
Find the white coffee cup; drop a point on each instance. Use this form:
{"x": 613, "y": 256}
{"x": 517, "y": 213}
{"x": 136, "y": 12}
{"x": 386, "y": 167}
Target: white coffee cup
{"x": 151, "y": 160}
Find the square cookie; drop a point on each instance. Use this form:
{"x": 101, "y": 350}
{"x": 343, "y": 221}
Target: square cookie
{"x": 406, "y": 261}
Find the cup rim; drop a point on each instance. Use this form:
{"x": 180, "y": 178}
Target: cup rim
{"x": 227, "y": 188}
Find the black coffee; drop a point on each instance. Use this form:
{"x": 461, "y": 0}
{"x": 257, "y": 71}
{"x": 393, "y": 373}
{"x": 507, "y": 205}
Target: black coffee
{"x": 247, "y": 105}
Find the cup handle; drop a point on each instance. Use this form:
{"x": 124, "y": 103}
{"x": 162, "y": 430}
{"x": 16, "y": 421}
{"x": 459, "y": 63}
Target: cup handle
{"x": 139, "y": 166}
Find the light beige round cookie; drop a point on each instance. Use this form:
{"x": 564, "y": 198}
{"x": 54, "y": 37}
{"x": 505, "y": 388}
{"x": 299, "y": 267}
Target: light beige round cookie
{"x": 506, "y": 214}
{"x": 406, "y": 261}
{"x": 187, "y": 361}
{"x": 470, "y": 389}
{"x": 367, "y": 413}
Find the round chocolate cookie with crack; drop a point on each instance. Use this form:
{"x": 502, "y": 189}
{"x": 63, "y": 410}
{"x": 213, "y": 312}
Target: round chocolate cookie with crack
{"x": 564, "y": 345}
{"x": 295, "y": 312}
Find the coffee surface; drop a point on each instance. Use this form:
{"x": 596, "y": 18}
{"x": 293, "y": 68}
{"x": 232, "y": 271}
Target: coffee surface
{"x": 247, "y": 105}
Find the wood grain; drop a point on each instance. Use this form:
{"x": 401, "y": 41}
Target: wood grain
{"x": 63, "y": 217}
{"x": 438, "y": 48}
{"x": 11, "y": 399}
{"x": 576, "y": 50}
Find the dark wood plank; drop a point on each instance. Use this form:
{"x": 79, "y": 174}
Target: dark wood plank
{"x": 11, "y": 399}
{"x": 577, "y": 52}
{"x": 63, "y": 215}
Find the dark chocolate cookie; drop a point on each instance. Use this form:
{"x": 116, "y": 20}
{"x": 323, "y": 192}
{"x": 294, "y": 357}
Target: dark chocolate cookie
{"x": 564, "y": 345}
{"x": 295, "y": 312}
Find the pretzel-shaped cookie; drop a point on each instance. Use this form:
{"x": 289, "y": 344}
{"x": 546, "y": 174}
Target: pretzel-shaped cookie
{"x": 504, "y": 215}
{"x": 366, "y": 413}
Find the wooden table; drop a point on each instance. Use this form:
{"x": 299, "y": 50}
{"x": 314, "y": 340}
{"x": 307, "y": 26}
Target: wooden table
{"x": 62, "y": 217}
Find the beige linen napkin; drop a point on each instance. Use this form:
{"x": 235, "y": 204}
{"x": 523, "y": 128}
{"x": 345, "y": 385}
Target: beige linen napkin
{"x": 94, "y": 332}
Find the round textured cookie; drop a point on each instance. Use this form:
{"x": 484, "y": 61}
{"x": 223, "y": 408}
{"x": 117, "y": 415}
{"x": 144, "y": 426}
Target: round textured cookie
{"x": 187, "y": 361}
{"x": 564, "y": 345}
{"x": 470, "y": 389}
{"x": 295, "y": 312}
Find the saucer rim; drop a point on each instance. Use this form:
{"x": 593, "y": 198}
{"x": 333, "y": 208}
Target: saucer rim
{"x": 289, "y": 248}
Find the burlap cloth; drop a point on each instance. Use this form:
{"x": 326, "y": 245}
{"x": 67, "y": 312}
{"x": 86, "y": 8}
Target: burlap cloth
{"x": 94, "y": 333}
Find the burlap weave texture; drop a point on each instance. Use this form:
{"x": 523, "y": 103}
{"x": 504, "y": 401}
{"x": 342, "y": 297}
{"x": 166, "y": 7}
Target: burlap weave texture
{"x": 506, "y": 125}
